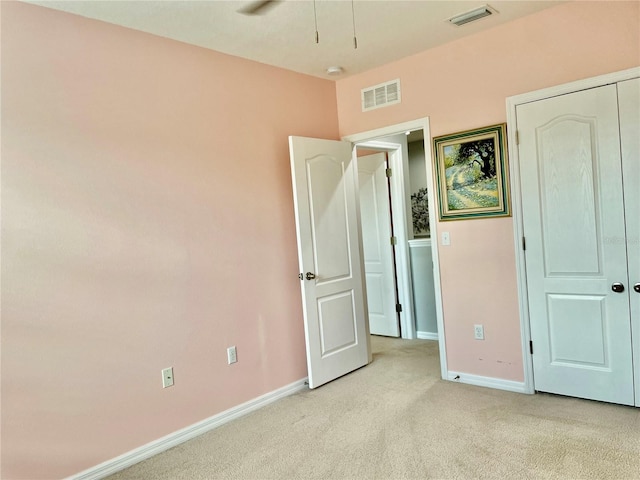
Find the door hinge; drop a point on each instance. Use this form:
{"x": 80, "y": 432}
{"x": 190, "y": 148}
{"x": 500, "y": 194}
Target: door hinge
{"x": 531, "y": 347}
{"x": 394, "y": 241}
{"x": 389, "y": 172}
{"x": 524, "y": 244}
{"x": 517, "y": 137}
{"x": 398, "y": 307}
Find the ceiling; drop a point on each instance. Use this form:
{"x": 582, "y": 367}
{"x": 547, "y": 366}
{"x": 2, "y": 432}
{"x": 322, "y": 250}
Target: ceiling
{"x": 284, "y": 35}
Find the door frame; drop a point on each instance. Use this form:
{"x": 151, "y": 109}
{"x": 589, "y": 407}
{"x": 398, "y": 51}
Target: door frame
{"x": 403, "y": 278}
{"x": 372, "y": 138}
{"x": 516, "y": 194}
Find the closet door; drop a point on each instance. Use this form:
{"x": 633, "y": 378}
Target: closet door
{"x": 629, "y": 101}
{"x": 574, "y": 225}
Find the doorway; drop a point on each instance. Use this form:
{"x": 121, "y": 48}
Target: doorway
{"x": 393, "y": 139}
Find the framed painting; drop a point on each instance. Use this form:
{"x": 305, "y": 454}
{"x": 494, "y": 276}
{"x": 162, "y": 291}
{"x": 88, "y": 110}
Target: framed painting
{"x": 472, "y": 175}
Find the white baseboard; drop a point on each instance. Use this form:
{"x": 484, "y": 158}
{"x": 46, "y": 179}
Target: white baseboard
{"x": 176, "y": 438}
{"x": 490, "y": 382}
{"x": 427, "y": 335}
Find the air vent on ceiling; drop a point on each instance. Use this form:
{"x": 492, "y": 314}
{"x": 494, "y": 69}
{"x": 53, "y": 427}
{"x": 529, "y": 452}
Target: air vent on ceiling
{"x": 381, "y": 95}
{"x": 472, "y": 15}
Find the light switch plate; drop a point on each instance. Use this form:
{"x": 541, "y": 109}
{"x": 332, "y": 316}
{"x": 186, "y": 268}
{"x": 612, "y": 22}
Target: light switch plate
{"x": 232, "y": 355}
{"x": 446, "y": 239}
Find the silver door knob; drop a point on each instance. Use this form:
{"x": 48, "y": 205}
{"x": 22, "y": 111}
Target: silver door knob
{"x": 617, "y": 287}
{"x": 310, "y": 276}
{"x": 636, "y": 287}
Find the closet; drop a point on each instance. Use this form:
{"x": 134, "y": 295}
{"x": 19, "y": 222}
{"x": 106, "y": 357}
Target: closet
{"x": 579, "y": 164}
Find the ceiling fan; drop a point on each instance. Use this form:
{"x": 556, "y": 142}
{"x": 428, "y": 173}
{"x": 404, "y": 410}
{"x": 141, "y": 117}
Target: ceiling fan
{"x": 258, "y": 7}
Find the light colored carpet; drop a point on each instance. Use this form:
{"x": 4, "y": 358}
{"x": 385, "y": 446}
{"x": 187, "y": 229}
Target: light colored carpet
{"x": 395, "y": 419}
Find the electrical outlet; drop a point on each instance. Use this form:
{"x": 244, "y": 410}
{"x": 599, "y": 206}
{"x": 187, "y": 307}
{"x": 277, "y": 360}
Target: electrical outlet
{"x": 167, "y": 377}
{"x": 232, "y": 355}
{"x": 478, "y": 332}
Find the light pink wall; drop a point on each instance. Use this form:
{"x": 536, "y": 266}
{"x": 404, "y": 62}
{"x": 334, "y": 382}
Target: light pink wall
{"x": 463, "y": 85}
{"x": 147, "y": 222}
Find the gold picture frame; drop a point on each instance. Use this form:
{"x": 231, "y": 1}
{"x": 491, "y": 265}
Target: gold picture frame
{"x": 472, "y": 173}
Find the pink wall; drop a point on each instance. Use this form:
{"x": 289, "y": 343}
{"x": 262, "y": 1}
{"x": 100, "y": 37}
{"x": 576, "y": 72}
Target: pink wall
{"x": 147, "y": 222}
{"x": 143, "y": 227}
{"x": 463, "y": 85}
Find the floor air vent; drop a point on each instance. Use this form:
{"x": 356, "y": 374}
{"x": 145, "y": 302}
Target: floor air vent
{"x": 381, "y": 95}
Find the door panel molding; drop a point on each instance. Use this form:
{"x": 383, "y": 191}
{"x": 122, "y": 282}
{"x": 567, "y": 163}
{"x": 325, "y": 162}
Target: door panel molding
{"x": 516, "y": 201}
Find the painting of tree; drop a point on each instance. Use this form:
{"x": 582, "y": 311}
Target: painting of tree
{"x": 472, "y": 173}
{"x": 480, "y": 152}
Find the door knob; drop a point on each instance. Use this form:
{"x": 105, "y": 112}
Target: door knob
{"x": 636, "y": 287}
{"x": 617, "y": 287}
{"x": 310, "y": 276}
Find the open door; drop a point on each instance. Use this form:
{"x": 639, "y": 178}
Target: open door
{"x": 329, "y": 254}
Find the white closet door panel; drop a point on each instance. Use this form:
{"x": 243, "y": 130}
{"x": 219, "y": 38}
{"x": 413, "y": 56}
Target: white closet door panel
{"x": 572, "y": 208}
{"x": 629, "y": 101}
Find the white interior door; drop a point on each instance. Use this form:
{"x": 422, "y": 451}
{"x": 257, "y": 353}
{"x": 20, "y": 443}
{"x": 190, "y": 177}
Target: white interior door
{"x": 574, "y": 227}
{"x": 375, "y": 218}
{"x": 325, "y": 201}
{"x": 629, "y": 105}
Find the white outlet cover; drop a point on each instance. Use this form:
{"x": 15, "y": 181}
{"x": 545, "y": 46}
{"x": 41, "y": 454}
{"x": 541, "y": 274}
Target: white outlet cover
{"x": 167, "y": 377}
{"x": 478, "y": 332}
{"x": 446, "y": 238}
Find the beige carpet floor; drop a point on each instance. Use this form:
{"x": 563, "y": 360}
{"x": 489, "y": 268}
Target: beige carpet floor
{"x": 396, "y": 419}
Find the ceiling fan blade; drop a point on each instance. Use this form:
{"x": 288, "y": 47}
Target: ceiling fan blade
{"x": 259, "y": 7}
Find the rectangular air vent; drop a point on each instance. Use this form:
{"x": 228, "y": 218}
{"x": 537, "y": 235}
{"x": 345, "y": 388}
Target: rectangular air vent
{"x": 381, "y": 95}
{"x": 472, "y": 15}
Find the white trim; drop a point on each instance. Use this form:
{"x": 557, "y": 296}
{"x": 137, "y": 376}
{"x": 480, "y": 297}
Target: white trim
{"x": 420, "y": 242}
{"x": 422, "y": 123}
{"x": 427, "y": 335}
{"x": 516, "y": 194}
{"x": 176, "y": 438}
{"x": 518, "y": 233}
{"x": 576, "y": 86}
{"x": 400, "y": 230}
{"x": 388, "y": 131}
{"x": 489, "y": 382}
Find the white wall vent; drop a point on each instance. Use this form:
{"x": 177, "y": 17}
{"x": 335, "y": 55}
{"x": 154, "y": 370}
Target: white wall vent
{"x": 472, "y": 15}
{"x": 381, "y": 95}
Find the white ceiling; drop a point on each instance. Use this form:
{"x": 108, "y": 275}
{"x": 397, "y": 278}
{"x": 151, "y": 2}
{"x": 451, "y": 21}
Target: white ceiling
{"x": 284, "y": 35}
